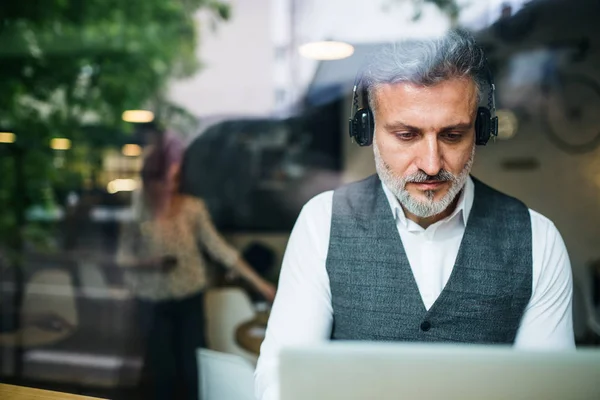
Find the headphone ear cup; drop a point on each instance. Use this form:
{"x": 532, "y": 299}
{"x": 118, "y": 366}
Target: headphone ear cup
{"x": 362, "y": 127}
{"x": 483, "y": 126}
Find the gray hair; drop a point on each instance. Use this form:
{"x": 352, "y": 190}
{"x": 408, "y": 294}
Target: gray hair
{"x": 426, "y": 62}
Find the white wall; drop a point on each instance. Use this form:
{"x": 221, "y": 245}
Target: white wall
{"x": 353, "y": 21}
{"x": 359, "y": 21}
{"x": 237, "y": 58}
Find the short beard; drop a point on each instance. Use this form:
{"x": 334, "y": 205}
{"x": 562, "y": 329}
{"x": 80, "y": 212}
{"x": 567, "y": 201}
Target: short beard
{"x": 429, "y": 207}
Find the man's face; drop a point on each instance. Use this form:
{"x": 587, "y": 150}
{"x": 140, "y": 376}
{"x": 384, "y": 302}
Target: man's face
{"x": 424, "y": 142}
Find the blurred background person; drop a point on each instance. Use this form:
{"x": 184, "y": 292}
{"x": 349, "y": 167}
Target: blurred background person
{"x": 162, "y": 252}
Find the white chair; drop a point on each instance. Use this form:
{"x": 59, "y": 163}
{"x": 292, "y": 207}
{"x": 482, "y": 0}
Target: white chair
{"x": 225, "y": 310}
{"x": 224, "y": 376}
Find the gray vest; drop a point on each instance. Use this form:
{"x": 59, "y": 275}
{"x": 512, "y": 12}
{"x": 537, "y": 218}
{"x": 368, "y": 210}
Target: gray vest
{"x": 374, "y": 294}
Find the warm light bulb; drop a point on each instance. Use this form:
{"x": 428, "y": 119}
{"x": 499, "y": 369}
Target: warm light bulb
{"x": 131, "y": 150}
{"x": 60, "y": 144}
{"x": 138, "y": 116}
{"x": 7, "y": 137}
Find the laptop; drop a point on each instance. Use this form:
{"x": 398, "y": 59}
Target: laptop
{"x": 386, "y": 371}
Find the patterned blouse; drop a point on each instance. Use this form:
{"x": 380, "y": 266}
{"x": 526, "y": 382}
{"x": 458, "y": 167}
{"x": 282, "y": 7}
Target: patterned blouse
{"x": 181, "y": 236}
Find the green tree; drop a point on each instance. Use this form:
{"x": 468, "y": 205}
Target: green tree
{"x": 69, "y": 69}
{"x": 450, "y": 8}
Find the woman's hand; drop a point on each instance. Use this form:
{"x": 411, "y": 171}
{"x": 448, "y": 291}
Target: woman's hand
{"x": 267, "y": 290}
{"x": 168, "y": 263}
{"x": 163, "y": 264}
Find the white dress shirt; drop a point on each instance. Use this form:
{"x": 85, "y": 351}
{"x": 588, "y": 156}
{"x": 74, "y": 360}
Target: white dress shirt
{"x": 302, "y": 312}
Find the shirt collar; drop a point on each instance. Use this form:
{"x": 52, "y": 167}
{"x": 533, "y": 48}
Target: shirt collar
{"x": 463, "y": 207}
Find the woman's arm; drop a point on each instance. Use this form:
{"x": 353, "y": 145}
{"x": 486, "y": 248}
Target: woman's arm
{"x": 221, "y": 251}
{"x": 262, "y": 286}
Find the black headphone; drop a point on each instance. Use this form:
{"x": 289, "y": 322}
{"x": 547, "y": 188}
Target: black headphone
{"x": 362, "y": 125}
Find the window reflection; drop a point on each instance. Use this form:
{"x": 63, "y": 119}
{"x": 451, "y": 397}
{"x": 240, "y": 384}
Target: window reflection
{"x": 262, "y": 129}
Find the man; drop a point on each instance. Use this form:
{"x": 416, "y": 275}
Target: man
{"x": 421, "y": 251}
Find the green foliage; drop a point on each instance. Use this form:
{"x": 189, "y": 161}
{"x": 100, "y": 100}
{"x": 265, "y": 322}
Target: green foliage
{"x": 449, "y": 7}
{"x": 69, "y": 69}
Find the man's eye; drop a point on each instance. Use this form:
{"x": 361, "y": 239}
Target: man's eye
{"x": 453, "y": 137}
{"x": 406, "y": 135}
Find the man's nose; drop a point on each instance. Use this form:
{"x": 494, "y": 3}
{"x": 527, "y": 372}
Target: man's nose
{"x": 430, "y": 160}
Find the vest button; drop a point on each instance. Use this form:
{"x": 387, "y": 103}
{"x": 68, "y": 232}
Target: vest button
{"x": 425, "y": 326}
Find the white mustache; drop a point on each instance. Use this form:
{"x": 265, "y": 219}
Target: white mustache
{"x": 419, "y": 177}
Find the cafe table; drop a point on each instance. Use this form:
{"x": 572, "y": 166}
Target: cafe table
{"x": 251, "y": 334}
{"x": 11, "y": 392}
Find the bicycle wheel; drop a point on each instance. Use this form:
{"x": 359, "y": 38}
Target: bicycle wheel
{"x": 570, "y": 112}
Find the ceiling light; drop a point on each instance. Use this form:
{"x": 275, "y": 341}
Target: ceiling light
{"x": 7, "y": 137}
{"x": 138, "y": 116}
{"x": 131, "y": 150}
{"x": 60, "y": 144}
{"x": 326, "y": 50}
